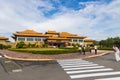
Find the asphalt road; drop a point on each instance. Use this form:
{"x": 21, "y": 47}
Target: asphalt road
{"x": 98, "y": 68}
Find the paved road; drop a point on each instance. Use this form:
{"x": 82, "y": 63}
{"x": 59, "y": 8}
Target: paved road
{"x": 99, "y": 68}
{"x": 31, "y": 70}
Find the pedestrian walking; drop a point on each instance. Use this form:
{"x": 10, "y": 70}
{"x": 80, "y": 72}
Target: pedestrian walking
{"x": 117, "y": 52}
{"x": 95, "y": 47}
{"x": 83, "y": 50}
{"x": 90, "y": 49}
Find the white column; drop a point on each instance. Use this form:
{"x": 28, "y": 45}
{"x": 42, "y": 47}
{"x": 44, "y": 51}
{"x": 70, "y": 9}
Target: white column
{"x": 77, "y": 40}
{"x": 17, "y": 39}
{"x": 25, "y": 38}
{"x": 34, "y": 39}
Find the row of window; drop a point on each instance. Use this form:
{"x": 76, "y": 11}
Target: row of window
{"x": 77, "y": 40}
{"x": 30, "y": 39}
{"x": 41, "y": 39}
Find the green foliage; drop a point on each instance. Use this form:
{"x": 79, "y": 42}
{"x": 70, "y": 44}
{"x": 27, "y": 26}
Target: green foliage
{"x": 46, "y": 51}
{"x": 20, "y": 45}
{"x": 45, "y": 45}
{"x": 109, "y": 42}
{"x": 4, "y": 46}
{"x": 29, "y": 45}
{"x": 95, "y": 43}
{"x": 75, "y": 45}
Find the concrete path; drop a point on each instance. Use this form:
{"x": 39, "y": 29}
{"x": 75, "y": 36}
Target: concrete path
{"x": 36, "y": 57}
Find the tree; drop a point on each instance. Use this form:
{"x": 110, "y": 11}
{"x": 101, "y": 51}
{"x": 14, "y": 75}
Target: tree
{"x": 109, "y": 42}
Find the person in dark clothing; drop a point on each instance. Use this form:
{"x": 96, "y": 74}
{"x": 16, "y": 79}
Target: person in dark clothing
{"x": 90, "y": 49}
{"x": 95, "y": 47}
{"x": 83, "y": 50}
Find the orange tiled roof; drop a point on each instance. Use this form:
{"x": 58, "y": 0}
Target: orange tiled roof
{"x": 3, "y": 38}
{"x": 51, "y": 32}
{"x": 28, "y": 33}
{"x": 68, "y": 35}
{"x": 57, "y": 38}
{"x": 76, "y": 37}
{"x": 48, "y": 35}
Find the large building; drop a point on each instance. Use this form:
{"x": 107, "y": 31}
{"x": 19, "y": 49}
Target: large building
{"x": 3, "y": 40}
{"x": 51, "y": 38}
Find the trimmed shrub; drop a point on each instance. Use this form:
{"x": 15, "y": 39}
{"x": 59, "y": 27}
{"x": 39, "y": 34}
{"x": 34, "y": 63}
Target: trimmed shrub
{"x": 4, "y": 46}
{"x": 50, "y": 52}
{"x": 20, "y": 45}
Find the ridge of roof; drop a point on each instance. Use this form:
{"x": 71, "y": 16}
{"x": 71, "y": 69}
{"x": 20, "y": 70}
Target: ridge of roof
{"x": 3, "y": 37}
{"x": 29, "y": 32}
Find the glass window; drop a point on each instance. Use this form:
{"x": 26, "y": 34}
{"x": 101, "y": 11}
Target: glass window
{"x": 29, "y": 38}
{"x": 37, "y": 39}
{"x": 80, "y": 40}
{"x": 74, "y": 40}
{"x": 21, "y": 39}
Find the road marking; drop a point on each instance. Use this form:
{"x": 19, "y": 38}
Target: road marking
{"x": 84, "y": 71}
{"x": 113, "y": 78}
{"x": 84, "y": 68}
{"x": 72, "y": 61}
{"x": 94, "y": 75}
{"x": 75, "y": 63}
{"x": 17, "y": 70}
{"x": 7, "y": 61}
{"x": 79, "y": 65}
{"x": 0, "y": 56}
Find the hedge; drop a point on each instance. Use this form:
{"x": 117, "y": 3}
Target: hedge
{"x": 51, "y": 52}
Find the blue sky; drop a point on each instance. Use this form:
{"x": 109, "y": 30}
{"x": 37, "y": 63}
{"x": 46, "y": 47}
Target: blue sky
{"x": 96, "y": 19}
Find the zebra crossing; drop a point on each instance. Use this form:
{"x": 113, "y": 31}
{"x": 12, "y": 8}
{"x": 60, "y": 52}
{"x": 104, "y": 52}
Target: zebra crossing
{"x": 79, "y": 69}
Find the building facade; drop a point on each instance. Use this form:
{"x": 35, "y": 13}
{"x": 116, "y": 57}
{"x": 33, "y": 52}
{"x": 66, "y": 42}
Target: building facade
{"x": 3, "y": 40}
{"x": 51, "y": 38}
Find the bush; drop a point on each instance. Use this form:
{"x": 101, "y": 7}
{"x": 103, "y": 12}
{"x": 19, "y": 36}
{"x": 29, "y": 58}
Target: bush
{"x": 45, "y": 45}
{"x": 20, "y": 45}
{"x": 4, "y": 46}
{"x": 46, "y": 51}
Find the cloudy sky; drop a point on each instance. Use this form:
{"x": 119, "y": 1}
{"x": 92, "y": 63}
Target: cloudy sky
{"x": 97, "y": 19}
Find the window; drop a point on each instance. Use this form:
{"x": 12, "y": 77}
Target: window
{"x": 74, "y": 40}
{"x": 80, "y": 40}
{"x": 29, "y": 38}
{"x": 21, "y": 39}
{"x": 37, "y": 39}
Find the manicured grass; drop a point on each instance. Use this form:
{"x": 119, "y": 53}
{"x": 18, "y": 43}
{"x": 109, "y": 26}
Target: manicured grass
{"x": 49, "y": 51}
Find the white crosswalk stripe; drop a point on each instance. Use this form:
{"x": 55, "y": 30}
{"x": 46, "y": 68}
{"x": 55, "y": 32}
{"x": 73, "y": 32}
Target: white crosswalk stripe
{"x": 78, "y": 68}
{"x": 83, "y": 71}
{"x": 84, "y": 68}
{"x": 114, "y": 78}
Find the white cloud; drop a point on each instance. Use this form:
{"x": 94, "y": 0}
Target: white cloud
{"x": 93, "y": 21}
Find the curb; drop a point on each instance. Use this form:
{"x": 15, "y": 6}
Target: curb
{"x": 97, "y": 55}
{"x": 27, "y": 59}
{"x": 47, "y": 59}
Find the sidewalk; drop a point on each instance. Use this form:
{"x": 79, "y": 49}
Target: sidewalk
{"x": 37, "y": 57}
